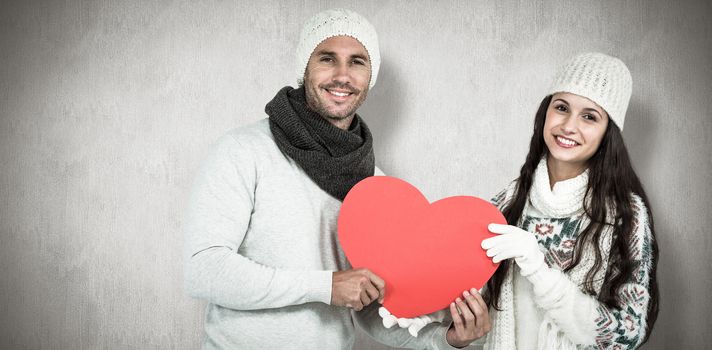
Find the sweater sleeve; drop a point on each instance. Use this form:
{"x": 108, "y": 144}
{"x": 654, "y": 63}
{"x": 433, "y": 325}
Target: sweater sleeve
{"x": 501, "y": 199}
{"x": 431, "y": 336}
{"x": 498, "y": 200}
{"x": 586, "y": 320}
{"x": 218, "y": 217}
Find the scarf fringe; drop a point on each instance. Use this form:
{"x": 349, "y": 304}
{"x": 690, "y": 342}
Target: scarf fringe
{"x": 550, "y": 337}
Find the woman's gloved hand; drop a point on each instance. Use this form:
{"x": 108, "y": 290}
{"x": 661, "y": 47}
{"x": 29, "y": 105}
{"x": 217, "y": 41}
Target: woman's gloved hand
{"x": 415, "y": 324}
{"x": 513, "y": 242}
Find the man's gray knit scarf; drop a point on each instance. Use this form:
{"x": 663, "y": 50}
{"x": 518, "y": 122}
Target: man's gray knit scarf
{"x": 335, "y": 159}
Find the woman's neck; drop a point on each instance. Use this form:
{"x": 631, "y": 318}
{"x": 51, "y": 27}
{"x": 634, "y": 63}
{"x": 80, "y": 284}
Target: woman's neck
{"x": 560, "y": 171}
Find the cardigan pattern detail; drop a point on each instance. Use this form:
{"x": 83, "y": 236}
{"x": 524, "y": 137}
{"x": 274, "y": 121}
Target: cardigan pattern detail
{"x": 614, "y": 327}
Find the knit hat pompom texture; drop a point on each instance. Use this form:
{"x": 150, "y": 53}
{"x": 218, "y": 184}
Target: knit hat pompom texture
{"x": 335, "y": 22}
{"x": 602, "y": 79}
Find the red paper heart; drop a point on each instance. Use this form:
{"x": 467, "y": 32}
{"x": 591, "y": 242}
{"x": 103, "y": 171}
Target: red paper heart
{"x": 428, "y": 254}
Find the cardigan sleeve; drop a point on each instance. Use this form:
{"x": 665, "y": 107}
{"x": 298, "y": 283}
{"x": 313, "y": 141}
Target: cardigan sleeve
{"x": 587, "y": 321}
{"x": 626, "y": 326}
{"x": 219, "y": 213}
{"x": 504, "y": 196}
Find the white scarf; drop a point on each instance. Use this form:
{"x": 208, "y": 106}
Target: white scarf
{"x": 566, "y": 199}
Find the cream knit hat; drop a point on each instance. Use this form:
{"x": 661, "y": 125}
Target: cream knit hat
{"x": 335, "y": 22}
{"x": 603, "y": 79}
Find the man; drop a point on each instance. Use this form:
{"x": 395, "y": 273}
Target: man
{"x": 261, "y": 233}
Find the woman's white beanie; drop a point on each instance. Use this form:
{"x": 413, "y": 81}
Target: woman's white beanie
{"x": 335, "y": 22}
{"x": 602, "y": 79}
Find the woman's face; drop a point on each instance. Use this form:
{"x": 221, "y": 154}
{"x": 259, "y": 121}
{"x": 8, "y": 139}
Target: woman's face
{"x": 573, "y": 129}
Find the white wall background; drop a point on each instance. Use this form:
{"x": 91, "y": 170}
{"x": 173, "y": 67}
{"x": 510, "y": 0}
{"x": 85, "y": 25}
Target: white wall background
{"x": 108, "y": 107}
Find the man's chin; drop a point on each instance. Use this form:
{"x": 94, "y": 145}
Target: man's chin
{"x": 337, "y": 117}
{"x": 338, "y": 114}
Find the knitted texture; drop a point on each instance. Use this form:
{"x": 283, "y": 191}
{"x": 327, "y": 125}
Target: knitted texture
{"x": 335, "y": 159}
{"x": 564, "y": 200}
{"x": 335, "y": 22}
{"x": 261, "y": 247}
{"x": 570, "y": 318}
{"x": 603, "y": 79}
{"x": 501, "y": 337}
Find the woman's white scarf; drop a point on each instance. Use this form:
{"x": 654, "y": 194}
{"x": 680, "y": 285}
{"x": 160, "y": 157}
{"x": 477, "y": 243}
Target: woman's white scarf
{"x": 566, "y": 199}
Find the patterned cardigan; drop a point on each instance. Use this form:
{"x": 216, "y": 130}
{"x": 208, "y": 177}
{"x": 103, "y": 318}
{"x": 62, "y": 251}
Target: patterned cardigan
{"x": 622, "y": 327}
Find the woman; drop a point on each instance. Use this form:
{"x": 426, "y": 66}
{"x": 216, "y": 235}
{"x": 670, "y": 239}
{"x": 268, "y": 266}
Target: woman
{"x": 583, "y": 251}
{"x": 578, "y": 269}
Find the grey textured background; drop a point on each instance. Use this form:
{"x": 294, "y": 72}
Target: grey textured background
{"x": 108, "y": 107}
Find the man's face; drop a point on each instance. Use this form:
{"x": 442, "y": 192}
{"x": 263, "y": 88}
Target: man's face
{"x": 337, "y": 77}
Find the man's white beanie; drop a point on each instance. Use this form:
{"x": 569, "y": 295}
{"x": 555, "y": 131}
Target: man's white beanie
{"x": 602, "y": 79}
{"x": 335, "y": 22}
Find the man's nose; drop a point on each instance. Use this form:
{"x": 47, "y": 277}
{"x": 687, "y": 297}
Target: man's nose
{"x": 342, "y": 73}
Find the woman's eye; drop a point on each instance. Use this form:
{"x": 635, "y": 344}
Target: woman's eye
{"x": 561, "y": 108}
{"x": 589, "y": 117}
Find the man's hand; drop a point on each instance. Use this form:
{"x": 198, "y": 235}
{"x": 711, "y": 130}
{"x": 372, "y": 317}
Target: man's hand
{"x": 356, "y": 288}
{"x": 470, "y": 319}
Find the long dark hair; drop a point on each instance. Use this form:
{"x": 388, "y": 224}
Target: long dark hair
{"x": 611, "y": 181}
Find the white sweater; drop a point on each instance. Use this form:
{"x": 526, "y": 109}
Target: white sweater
{"x": 261, "y": 246}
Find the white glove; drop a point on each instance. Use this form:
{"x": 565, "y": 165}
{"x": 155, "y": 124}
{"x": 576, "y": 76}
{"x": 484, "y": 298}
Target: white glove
{"x": 516, "y": 243}
{"x": 388, "y": 319}
{"x": 415, "y": 324}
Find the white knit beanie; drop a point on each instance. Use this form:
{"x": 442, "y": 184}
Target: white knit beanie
{"x": 602, "y": 79}
{"x": 335, "y": 22}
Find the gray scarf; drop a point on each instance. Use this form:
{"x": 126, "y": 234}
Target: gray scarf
{"x": 334, "y": 159}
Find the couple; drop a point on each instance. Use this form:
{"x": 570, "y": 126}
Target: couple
{"x": 578, "y": 262}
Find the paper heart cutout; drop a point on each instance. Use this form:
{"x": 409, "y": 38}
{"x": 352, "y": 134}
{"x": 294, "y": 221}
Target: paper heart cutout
{"x": 428, "y": 254}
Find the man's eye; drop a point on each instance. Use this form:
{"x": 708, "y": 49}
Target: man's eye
{"x": 359, "y": 62}
{"x": 326, "y": 59}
